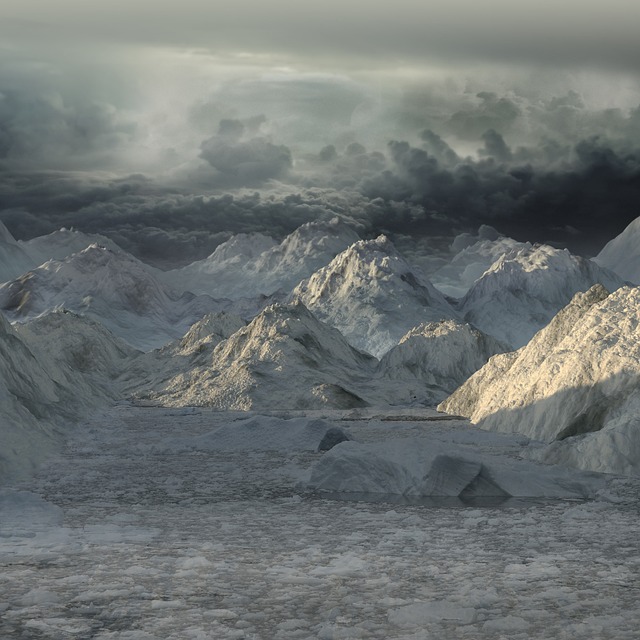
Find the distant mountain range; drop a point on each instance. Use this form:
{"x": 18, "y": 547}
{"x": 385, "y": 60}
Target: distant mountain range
{"x": 325, "y": 319}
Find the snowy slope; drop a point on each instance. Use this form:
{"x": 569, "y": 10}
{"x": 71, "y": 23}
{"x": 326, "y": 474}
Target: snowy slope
{"x": 222, "y": 271}
{"x": 194, "y": 349}
{"x": 112, "y": 287}
{"x": 13, "y": 259}
{"x": 90, "y": 354}
{"x": 622, "y": 254}
{"x": 430, "y": 362}
{"x": 285, "y": 358}
{"x": 371, "y": 295}
{"x": 250, "y": 265}
{"x": 62, "y": 243}
{"x": 32, "y": 406}
{"x": 457, "y": 277}
{"x": 524, "y": 289}
{"x": 575, "y": 385}
{"x": 52, "y": 371}
{"x": 442, "y": 355}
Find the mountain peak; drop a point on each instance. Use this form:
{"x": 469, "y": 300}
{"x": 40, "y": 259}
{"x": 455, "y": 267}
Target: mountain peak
{"x": 370, "y": 293}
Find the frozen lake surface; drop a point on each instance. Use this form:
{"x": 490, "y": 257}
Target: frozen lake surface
{"x": 133, "y": 534}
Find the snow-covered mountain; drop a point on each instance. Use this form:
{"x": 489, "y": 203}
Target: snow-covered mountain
{"x": 622, "y": 254}
{"x": 284, "y": 359}
{"x": 222, "y": 272}
{"x": 523, "y": 290}
{"x": 371, "y": 295}
{"x": 80, "y": 345}
{"x": 194, "y": 349}
{"x": 52, "y": 371}
{"x": 113, "y": 287}
{"x": 13, "y": 258}
{"x": 251, "y": 265}
{"x": 574, "y": 385}
{"x": 458, "y": 276}
{"x": 442, "y": 355}
{"x": 62, "y": 243}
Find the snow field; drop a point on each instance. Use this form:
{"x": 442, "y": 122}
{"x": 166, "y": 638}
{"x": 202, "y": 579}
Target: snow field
{"x": 164, "y": 541}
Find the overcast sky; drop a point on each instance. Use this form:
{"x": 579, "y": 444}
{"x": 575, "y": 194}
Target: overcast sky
{"x": 142, "y": 119}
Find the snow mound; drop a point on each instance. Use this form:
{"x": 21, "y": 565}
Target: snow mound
{"x": 285, "y": 358}
{"x": 422, "y": 467}
{"x": 468, "y": 265}
{"x": 112, "y": 287}
{"x": 441, "y": 354}
{"x": 370, "y": 294}
{"x": 622, "y": 254}
{"x": 253, "y": 265}
{"x": 524, "y": 289}
{"x": 574, "y": 385}
{"x": 61, "y": 244}
{"x": 260, "y": 433}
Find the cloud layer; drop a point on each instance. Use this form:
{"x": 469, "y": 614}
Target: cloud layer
{"x": 168, "y": 145}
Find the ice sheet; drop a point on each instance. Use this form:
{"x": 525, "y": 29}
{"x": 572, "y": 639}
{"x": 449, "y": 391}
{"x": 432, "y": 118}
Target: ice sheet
{"x": 171, "y": 544}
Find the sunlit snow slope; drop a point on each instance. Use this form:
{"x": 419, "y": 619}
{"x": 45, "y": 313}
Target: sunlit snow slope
{"x": 622, "y": 254}
{"x": 574, "y": 385}
{"x": 524, "y": 289}
{"x": 285, "y": 358}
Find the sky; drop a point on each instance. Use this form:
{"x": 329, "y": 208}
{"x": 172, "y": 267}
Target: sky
{"x": 170, "y": 126}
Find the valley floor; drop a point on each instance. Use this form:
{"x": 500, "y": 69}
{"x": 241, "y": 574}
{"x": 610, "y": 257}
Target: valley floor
{"x": 139, "y": 540}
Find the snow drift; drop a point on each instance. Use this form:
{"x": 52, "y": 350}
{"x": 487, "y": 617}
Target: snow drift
{"x": 422, "y": 467}
{"x": 261, "y": 433}
{"x": 574, "y": 385}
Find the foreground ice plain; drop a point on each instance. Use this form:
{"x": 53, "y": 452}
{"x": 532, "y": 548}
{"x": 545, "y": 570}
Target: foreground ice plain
{"x": 152, "y": 530}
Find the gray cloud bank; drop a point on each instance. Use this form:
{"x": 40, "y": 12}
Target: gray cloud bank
{"x": 569, "y": 33}
{"x": 169, "y": 151}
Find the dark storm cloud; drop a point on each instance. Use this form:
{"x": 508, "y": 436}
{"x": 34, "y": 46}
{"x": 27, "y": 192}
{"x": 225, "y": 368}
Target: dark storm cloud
{"x": 422, "y": 192}
{"x": 586, "y": 199}
{"x": 243, "y": 160}
{"x": 42, "y": 128}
